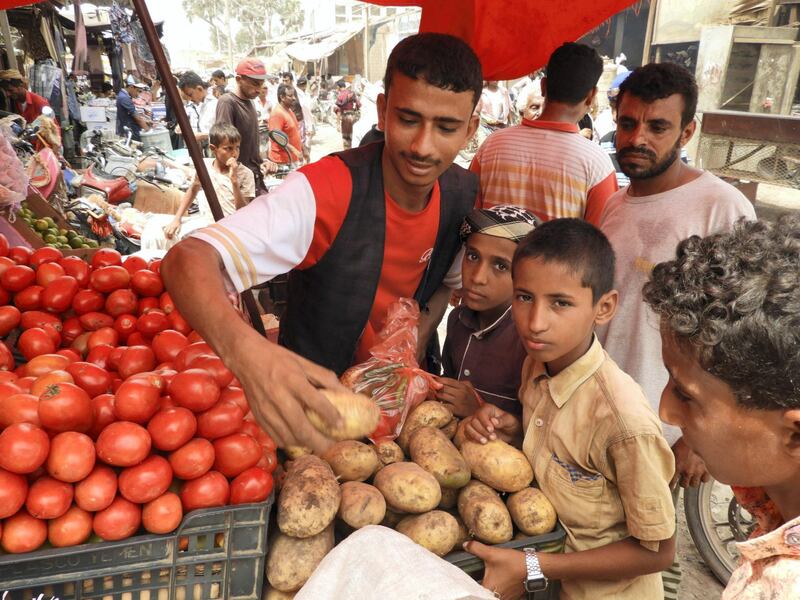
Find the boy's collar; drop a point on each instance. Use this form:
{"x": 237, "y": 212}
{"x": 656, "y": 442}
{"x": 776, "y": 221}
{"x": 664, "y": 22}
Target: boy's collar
{"x": 470, "y": 319}
{"x": 563, "y": 385}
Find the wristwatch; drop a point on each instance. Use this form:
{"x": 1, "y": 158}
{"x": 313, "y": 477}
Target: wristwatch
{"x": 535, "y": 581}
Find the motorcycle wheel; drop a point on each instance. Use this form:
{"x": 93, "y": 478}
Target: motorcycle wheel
{"x": 716, "y": 522}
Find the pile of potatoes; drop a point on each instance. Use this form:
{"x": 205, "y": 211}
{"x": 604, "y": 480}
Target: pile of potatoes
{"x": 422, "y": 485}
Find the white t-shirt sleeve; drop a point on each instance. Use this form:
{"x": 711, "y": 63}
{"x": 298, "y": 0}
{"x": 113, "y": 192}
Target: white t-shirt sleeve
{"x": 268, "y": 237}
{"x": 453, "y": 277}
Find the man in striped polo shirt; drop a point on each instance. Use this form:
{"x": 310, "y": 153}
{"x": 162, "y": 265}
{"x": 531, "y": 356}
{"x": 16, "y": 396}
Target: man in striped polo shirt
{"x": 545, "y": 165}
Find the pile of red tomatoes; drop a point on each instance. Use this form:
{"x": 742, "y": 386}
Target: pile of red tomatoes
{"x": 121, "y": 419}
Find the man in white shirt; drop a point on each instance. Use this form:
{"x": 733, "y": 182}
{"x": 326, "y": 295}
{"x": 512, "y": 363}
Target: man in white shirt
{"x": 666, "y": 202}
{"x": 307, "y": 125}
{"x": 495, "y": 105}
{"x": 201, "y": 108}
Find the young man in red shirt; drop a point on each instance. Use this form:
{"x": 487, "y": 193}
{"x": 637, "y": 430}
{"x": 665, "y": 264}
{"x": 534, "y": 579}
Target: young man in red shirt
{"x": 282, "y": 118}
{"x": 357, "y": 230}
{"x": 24, "y": 102}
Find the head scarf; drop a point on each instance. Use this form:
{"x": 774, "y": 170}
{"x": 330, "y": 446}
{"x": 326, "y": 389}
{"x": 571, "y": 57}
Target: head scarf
{"x": 504, "y": 221}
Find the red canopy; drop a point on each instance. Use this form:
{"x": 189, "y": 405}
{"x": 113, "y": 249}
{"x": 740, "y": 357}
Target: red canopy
{"x": 512, "y": 37}
{"x": 6, "y": 4}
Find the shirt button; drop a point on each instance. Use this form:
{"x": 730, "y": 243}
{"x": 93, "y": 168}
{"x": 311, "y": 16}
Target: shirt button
{"x": 793, "y": 538}
{"x": 539, "y": 422}
{"x": 467, "y": 372}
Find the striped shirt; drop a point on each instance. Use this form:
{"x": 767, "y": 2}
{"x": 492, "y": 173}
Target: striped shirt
{"x": 546, "y": 167}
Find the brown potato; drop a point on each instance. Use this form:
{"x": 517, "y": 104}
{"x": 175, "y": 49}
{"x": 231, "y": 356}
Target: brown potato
{"x": 392, "y": 518}
{"x": 484, "y": 513}
{"x": 291, "y": 561}
{"x": 360, "y": 416}
{"x": 388, "y": 452}
{"x": 436, "y": 531}
{"x": 449, "y": 430}
{"x": 361, "y": 505}
{"x": 449, "y": 498}
{"x": 498, "y": 465}
{"x": 428, "y": 414}
{"x": 352, "y": 460}
{"x": 532, "y": 512}
{"x": 309, "y": 499}
{"x": 270, "y": 593}
{"x": 408, "y": 488}
{"x": 432, "y": 451}
{"x": 463, "y": 532}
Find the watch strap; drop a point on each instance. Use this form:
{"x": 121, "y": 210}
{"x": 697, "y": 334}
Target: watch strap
{"x": 535, "y": 580}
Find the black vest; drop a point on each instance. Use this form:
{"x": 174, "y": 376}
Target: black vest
{"x": 329, "y": 304}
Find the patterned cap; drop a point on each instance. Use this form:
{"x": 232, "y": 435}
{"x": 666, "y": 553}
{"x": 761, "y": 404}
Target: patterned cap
{"x": 504, "y": 221}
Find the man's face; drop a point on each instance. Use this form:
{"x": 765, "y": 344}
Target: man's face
{"x": 249, "y": 87}
{"x": 554, "y": 313}
{"x": 486, "y": 272}
{"x": 15, "y": 91}
{"x": 286, "y": 80}
{"x": 425, "y": 127}
{"x": 217, "y": 80}
{"x": 287, "y": 101}
{"x": 534, "y": 107}
{"x": 745, "y": 447}
{"x": 133, "y": 91}
{"x": 650, "y": 135}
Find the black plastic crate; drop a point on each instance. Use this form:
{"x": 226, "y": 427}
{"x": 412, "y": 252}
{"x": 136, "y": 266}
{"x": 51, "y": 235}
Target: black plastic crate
{"x": 548, "y": 542}
{"x": 215, "y": 553}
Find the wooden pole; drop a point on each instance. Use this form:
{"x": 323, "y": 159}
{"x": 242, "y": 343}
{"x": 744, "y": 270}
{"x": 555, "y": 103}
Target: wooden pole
{"x": 6, "y": 30}
{"x": 648, "y": 34}
{"x": 162, "y": 66}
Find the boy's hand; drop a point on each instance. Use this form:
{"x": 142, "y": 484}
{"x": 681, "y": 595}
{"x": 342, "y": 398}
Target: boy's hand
{"x": 690, "y": 470}
{"x": 171, "y": 229}
{"x": 491, "y": 423}
{"x": 460, "y": 396}
{"x": 505, "y": 569}
{"x": 233, "y": 171}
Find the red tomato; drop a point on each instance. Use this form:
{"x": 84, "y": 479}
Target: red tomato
{"x": 9, "y": 319}
{"x": 70, "y": 529}
{"x": 48, "y": 498}
{"x": 20, "y": 255}
{"x": 97, "y": 490}
{"x": 146, "y": 305}
{"x": 190, "y": 352}
{"x": 37, "y": 318}
{"x": 194, "y": 389}
{"x": 224, "y": 418}
{"x": 268, "y": 462}
{"x": 193, "y": 459}
{"x": 19, "y": 408}
{"x": 92, "y": 321}
{"x": 108, "y": 279}
{"x": 22, "y": 532}
{"x": 215, "y": 366}
{"x": 99, "y": 356}
{"x": 17, "y": 278}
{"x": 264, "y": 440}
{"x": 90, "y": 378}
{"x": 171, "y": 428}
{"x": 105, "y": 336}
{"x": 165, "y": 303}
{"x": 151, "y": 378}
{"x": 206, "y": 491}
{"x": 103, "y": 411}
{"x": 7, "y": 376}
{"x": 52, "y": 378}
{"x": 59, "y": 293}
{"x": 66, "y": 407}
{"x": 162, "y": 515}
{"x": 152, "y": 322}
{"x": 48, "y": 272}
{"x": 54, "y": 333}
{"x": 136, "y": 401}
{"x": 125, "y": 326}
{"x": 77, "y": 268}
{"x": 5, "y": 263}
{"x": 71, "y": 458}
{"x": 70, "y": 354}
{"x": 119, "y": 521}
{"x": 45, "y": 363}
{"x": 30, "y": 298}
{"x": 25, "y": 384}
{"x": 81, "y": 343}
{"x": 86, "y": 301}
{"x": 167, "y": 344}
{"x": 252, "y": 485}
{"x": 3, "y": 245}
{"x": 13, "y": 491}
{"x": 147, "y": 283}
{"x": 136, "y": 359}
{"x": 6, "y": 358}
{"x": 34, "y": 342}
{"x": 235, "y": 395}
{"x": 23, "y": 448}
{"x": 123, "y": 444}
{"x": 105, "y": 257}
{"x": 71, "y": 329}
{"x": 137, "y": 339}
{"x": 147, "y": 480}
{"x": 120, "y": 302}
{"x": 235, "y": 453}
{"x": 45, "y": 254}
{"x": 178, "y": 323}
{"x": 167, "y": 402}
{"x": 5, "y": 297}
{"x": 155, "y": 265}
{"x": 134, "y": 263}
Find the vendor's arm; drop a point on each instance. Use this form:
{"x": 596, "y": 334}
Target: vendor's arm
{"x": 188, "y": 197}
{"x": 270, "y": 236}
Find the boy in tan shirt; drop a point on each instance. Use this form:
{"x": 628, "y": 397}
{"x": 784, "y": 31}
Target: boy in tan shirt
{"x": 595, "y": 444}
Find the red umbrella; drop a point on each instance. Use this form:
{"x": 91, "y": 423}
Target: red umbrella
{"x": 512, "y": 37}
{"x": 6, "y": 4}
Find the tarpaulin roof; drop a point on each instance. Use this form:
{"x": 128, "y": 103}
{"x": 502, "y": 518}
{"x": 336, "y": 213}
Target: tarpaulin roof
{"x": 6, "y": 4}
{"x": 312, "y": 51}
{"x": 512, "y": 37}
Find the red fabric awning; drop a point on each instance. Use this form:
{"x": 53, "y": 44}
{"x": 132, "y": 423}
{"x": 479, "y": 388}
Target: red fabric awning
{"x": 512, "y": 37}
{"x": 6, "y": 4}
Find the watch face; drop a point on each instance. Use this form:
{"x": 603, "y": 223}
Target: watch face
{"x": 536, "y": 585}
